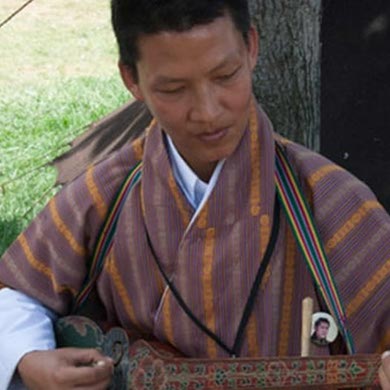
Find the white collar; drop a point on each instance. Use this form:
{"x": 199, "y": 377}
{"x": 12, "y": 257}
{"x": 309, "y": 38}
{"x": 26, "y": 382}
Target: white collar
{"x": 195, "y": 190}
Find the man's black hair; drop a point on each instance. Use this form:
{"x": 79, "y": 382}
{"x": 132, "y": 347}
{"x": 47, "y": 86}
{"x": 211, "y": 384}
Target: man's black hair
{"x": 321, "y": 319}
{"x": 133, "y": 18}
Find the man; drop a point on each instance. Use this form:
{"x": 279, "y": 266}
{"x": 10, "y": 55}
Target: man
{"x": 203, "y": 212}
{"x": 321, "y": 330}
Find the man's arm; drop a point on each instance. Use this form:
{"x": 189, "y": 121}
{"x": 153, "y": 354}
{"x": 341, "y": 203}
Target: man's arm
{"x": 66, "y": 368}
{"x": 25, "y": 326}
{"x": 27, "y": 344}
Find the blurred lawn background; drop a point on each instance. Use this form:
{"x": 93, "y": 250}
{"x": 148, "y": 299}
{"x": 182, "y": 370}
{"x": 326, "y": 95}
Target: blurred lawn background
{"x": 57, "y": 74}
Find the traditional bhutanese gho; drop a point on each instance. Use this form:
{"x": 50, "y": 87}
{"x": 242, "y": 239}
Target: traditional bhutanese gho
{"x": 211, "y": 260}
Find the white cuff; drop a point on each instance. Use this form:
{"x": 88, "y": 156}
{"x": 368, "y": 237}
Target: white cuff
{"x": 25, "y": 326}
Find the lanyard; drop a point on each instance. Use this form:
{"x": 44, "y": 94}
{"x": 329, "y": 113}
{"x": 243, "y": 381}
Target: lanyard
{"x": 235, "y": 350}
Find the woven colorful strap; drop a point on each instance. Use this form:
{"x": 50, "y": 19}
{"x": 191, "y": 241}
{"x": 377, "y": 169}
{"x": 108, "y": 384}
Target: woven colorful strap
{"x": 306, "y": 234}
{"x": 105, "y": 237}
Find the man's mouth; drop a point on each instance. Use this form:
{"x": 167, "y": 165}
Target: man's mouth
{"x": 215, "y": 135}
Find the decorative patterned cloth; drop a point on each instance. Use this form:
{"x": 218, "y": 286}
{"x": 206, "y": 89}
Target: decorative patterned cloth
{"x": 223, "y": 247}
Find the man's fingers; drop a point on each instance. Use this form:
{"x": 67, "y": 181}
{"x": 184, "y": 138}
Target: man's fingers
{"x": 383, "y": 379}
{"x": 98, "y": 372}
{"x": 85, "y": 367}
{"x": 85, "y": 356}
{"x": 386, "y": 355}
{"x": 384, "y": 371}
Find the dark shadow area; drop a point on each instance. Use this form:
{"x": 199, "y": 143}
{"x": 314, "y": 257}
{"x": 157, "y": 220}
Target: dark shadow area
{"x": 9, "y": 230}
{"x": 102, "y": 138}
{"x": 355, "y": 92}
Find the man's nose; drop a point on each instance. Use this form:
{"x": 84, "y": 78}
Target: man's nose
{"x": 205, "y": 106}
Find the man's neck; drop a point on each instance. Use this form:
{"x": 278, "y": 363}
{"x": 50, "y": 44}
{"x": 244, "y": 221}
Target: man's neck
{"x": 205, "y": 172}
{"x": 202, "y": 170}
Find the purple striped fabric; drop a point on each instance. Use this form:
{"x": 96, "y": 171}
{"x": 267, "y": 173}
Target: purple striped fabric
{"x": 214, "y": 263}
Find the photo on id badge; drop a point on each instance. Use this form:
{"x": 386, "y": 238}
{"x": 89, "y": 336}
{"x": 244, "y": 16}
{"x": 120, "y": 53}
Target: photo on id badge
{"x": 323, "y": 329}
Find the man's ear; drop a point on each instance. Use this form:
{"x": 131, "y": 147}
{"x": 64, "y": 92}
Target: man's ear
{"x": 130, "y": 81}
{"x": 253, "y": 46}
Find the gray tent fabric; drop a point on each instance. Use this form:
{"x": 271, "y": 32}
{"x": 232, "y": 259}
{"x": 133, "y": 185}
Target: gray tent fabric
{"x": 102, "y": 138}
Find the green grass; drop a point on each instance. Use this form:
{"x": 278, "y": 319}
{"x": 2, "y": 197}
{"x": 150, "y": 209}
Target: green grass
{"x": 36, "y": 125}
{"x": 56, "y": 39}
{"x": 58, "y": 74}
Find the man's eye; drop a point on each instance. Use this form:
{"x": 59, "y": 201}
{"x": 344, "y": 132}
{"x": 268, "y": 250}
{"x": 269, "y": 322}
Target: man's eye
{"x": 171, "y": 91}
{"x": 228, "y": 76}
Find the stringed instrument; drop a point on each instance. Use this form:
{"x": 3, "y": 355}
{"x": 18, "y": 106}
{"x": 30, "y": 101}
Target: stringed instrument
{"x": 153, "y": 365}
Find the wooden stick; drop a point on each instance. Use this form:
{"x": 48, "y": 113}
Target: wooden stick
{"x": 307, "y": 313}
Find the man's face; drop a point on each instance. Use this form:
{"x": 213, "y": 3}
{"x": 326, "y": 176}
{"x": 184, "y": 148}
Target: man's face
{"x": 322, "y": 330}
{"x": 198, "y": 86}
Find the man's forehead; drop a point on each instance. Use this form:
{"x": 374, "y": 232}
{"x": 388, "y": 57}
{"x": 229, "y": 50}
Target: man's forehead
{"x": 228, "y": 61}
{"x": 220, "y": 26}
{"x": 212, "y": 46}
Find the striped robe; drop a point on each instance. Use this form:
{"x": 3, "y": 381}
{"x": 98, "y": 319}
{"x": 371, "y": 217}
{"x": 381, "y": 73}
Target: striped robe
{"x": 214, "y": 261}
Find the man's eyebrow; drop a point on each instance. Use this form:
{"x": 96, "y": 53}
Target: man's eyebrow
{"x": 232, "y": 58}
{"x": 164, "y": 80}
{"x": 167, "y": 80}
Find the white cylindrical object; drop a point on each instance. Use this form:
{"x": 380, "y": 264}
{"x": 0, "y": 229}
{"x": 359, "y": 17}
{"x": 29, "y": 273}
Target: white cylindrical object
{"x": 307, "y": 313}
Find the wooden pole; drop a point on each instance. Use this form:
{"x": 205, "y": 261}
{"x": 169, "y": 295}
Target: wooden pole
{"x": 307, "y": 312}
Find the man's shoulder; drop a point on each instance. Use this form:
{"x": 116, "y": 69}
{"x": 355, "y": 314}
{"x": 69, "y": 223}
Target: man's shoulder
{"x": 329, "y": 187}
{"x": 102, "y": 180}
{"x": 302, "y": 156}
{"x": 118, "y": 164}
{"x": 113, "y": 169}
{"x": 313, "y": 169}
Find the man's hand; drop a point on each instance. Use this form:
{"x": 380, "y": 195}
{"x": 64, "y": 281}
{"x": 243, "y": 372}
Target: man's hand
{"x": 384, "y": 371}
{"x": 66, "y": 368}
